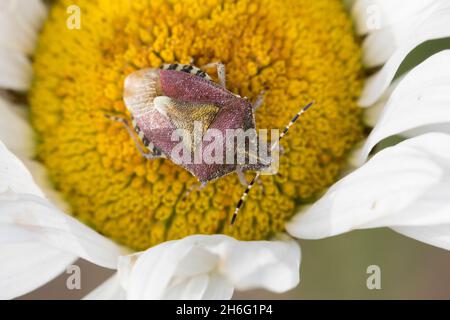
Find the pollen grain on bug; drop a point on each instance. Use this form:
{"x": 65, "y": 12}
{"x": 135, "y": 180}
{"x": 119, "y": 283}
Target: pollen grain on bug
{"x": 295, "y": 50}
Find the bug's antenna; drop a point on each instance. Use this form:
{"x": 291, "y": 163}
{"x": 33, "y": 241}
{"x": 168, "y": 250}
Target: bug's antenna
{"x": 249, "y": 187}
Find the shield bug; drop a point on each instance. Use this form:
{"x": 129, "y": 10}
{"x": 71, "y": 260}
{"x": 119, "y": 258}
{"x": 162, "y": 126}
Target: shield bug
{"x": 176, "y": 96}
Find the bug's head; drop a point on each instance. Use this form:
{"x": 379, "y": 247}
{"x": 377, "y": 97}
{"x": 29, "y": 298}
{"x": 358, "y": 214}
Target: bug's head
{"x": 140, "y": 88}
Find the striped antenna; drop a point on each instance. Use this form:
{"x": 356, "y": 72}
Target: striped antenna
{"x": 258, "y": 174}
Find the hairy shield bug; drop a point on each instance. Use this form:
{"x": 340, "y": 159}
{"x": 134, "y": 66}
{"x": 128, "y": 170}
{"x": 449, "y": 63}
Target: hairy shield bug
{"x": 178, "y": 97}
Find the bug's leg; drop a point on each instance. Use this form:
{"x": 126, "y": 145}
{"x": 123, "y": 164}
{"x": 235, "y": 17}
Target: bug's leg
{"x": 259, "y": 101}
{"x": 274, "y": 146}
{"x": 124, "y": 122}
{"x": 221, "y": 71}
{"x": 241, "y": 176}
{"x": 244, "y": 196}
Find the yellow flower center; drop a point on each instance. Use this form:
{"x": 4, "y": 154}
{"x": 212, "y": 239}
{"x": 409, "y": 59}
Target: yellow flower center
{"x": 300, "y": 50}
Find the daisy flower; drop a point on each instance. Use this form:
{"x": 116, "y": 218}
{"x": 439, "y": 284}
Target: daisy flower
{"x": 72, "y": 183}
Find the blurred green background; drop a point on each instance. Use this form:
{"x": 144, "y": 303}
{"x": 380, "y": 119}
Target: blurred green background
{"x": 335, "y": 268}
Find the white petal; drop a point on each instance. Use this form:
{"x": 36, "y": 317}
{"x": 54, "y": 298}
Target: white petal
{"x": 169, "y": 271}
{"x": 40, "y": 176}
{"x": 49, "y": 225}
{"x": 17, "y": 135}
{"x": 15, "y": 70}
{"x": 210, "y": 286}
{"x": 433, "y": 24}
{"x": 389, "y": 24}
{"x": 379, "y": 46}
{"x": 14, "y": 176}
{"x": 152, "y": 272}
{"x": 20, "y": 21}
{"x": 26, "y": 266}
{"x": 23, "y": 206}
{"x": 108, "y": 290}
{"x": 421, "y": 98}
{"x": 15, "y": 131}
{"x": 437, "y": 235}
{"x": 403, "y": 186}
{"x": 210, "y": 267}
{"x": 371, "y": 15}
{"x": 272, "y": 265}
{"x": 44, "y": 239}
{"x": 188, "y": 288}
{"x": 31, "y": 12}
{"x": 438, "y": 127}
{"x": 219, "y": 288}
{"x": 373, "y": 114}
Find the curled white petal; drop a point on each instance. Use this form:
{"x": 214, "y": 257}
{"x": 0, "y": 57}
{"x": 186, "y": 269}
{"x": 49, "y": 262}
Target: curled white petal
{"x": 27, "y": 214}
{"x": 432, "y": 24}
{"x": 420, "y": 99}
{"x": 14, "y": 177}
{"x": 45, "y": 223}
{"x": 17, "y": 135}
{"x": 37, "y": 240}
{"x": 210, "y": 267}
{"x": 405, "y": 186}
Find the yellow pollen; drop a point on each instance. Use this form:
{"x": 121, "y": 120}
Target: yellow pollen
{"x": 299, "y": 50}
